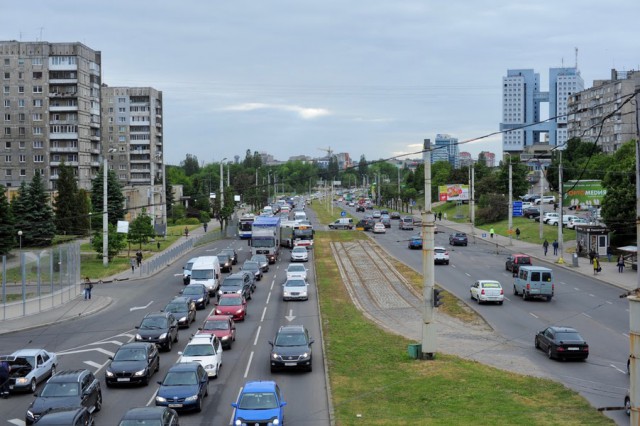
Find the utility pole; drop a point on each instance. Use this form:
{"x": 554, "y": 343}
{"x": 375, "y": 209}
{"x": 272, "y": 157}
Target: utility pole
{"x": 472, "y": 211}
{"x": 634, "y": 301}
{"x": 428, "y": 243}
{"x": 105, "y": 214}
{"x": 560, "y": 221}
{"x": 541, "y": 200}
{"x": 510, "y": 203}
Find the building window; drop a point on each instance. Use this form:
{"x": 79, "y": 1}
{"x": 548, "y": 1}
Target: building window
{"x": 36, "y": 61}
{"x": 122, "y": 138}
{"x": 21, "y": 103}
{"x": 7, "y": 103}
{"x": 7, "y": 158}
{"x": 37, "y": 116}
{"x": 122, "y": 110}
{"x": 38, "y": 144}
{"x": 20, "y": 89}
{"x": 23, "y": 172}
{"x": 22, "y": 131}
{"x": 22, "y": 144}
{"x": 22, "y": 158}
{"x": 122, "y": 100}
{"x": 6, "y": 61}
{"x": 37, "y": 75}
{"x": 6, "y": 90}
{"x": 37, "y": 89}
{"x": 7, "y": 117}
{"x": 122, "y": 129}
{"x": 38, "y": 158}
{"x": 7, "y": 145}
{"x": 7, "y": 75}
{"x": 37, "y": 130}
{"x": 7, "y": 131}
{"x": 22, "y": 117}
{"x": 7, "y": 172}
{"x": 38, "y": 103}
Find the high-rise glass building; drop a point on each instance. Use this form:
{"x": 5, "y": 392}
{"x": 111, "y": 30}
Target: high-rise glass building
{"x": 446, "y": 149}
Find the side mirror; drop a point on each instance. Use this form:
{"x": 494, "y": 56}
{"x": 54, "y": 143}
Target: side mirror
{"x": 159, "y": 382}
{"x": 311, "y": 341}
{"x": 137, "y": 327}
{"x": 270, "y": 342}
{"x": 234, "y": 405}
{"x": 180, "y": 353}
{"x": 200, "y": 328}
{"x": 283, "y": 403}
{"x": 111, "y": 358}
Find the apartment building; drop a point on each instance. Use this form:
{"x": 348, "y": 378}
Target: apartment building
{"x": 446, "y": 149}
{"x": 601, "y": 114}
{"x": 50, "y": 102}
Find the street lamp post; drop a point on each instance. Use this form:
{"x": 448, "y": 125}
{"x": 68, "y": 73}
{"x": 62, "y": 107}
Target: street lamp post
{"x": 20, "y": 238}
{"x": 105, "y": 210}
{"x": 510, "y": 201}
{"x": 90, "y": 230}
{"x": 222, "y": 183}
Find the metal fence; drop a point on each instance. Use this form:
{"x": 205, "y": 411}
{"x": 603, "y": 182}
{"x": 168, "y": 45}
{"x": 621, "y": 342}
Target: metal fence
{"x": 39, "y": 280}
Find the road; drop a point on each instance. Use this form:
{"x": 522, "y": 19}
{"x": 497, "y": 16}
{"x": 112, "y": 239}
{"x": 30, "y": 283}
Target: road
{"x": 89, "y": 342}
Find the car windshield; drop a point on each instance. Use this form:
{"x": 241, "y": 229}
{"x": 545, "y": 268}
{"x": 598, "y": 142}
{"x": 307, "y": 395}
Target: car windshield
{"x": 416, "y": 237}
{"x": 154, "y": 323}
{"x": 569, "y": 335}
{"x": 230, "y": 301}
{"x": 188, "y": 266}
{"x": 291, "y": 339}
{"x": 250, "y": 266}
{"x": 202, "y": 274}
{"x": 176, "y": 308}
{"x": 193, "y": 291}
{"x": 299, "y": 250}
{"x": 232, "y": 282}
{"x": 223, "y": 258}
{"x": 258, "y": 401}
{"x": 57, "y": 389}
{"x": 442, "y": 251}
{"x": 259, "y": 258}
{"x": 228, "y": 253}
{"x": 180, "y": 378}
{"x": 295, "y": 268}
{"x": 216, "y": 325}
{"x": 198, "y": 350}
{"x": 130, "y": 355}
{"x": 295, "y": 283}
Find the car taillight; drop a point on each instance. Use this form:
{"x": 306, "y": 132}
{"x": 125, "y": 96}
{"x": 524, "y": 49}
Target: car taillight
{"x": 528, "y": 286}
{"x": 482, "y": 292}
{"x": 501, "y": 291}
{"x": 446, "y": 253}
{"x": 559, "y": 349}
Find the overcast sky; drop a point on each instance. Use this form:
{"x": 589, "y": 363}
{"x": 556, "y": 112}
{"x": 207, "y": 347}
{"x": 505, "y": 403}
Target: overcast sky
{"x": 293, "y": 77}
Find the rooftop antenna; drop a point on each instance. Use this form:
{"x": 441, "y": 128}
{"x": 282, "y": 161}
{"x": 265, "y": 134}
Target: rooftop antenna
{"x": 576, "y": 57}
{"x": 41, "y": 29}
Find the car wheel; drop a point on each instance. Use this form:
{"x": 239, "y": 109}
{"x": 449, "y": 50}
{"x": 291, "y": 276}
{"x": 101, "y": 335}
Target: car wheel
{"x": 176, "y": 339}
{"x": 199, "y": 405}
{"x": 447, "y": 262}
{"x": 168, "y": 346}
{"x": 206, "y": 391}
{"x": 515, "y": 292}
{"x": 549, "y": 353}
{"x": 500, "y": 303}
{"x": 524, "y": 295}
{"x": 34, "y": 385}
{"x": 98, "y": 405}
{"x": 471, "y": 295}
{"x": 53, "y": 370}
{"x": 478, "y": 299}
{"x": 145, "y": 381}
{"x": 627, "y": 405}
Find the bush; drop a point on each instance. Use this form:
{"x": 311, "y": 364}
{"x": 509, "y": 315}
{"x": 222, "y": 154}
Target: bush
{"x": 492, "y": 208}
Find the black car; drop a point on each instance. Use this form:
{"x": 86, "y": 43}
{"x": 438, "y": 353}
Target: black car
{"x": 163, "y": 416}
{"x": 226, "y": 263}
{"x": 133, "y": 363}
{"x": 360, "y": 208}
{"x": 562, "y": 343}
{"x": 68, "y": 389}
{"x": 239, "y": 283}
{"x": 67, "y": 417}
{"x": 198, "y": 293}
{"x": 231, "y": 253}
{"x": 531, "y": 212}
{"x": 395, "y": 215}
{"x": 262, "y": 260}
{"x": 291, "y": 349}
{"x": 184, "y": 308}
{"x": 160, "y": 328}
{"x": 458, "y": 239}
{"x": 184, "y": 387}
{"x": 254, "y": 268}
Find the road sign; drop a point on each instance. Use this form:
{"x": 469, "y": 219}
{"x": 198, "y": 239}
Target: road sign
{"x": 517, "y": 208}
{"x": 343, "y": 213}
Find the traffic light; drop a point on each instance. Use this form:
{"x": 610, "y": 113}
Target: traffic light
{"x": 437, "y": 298}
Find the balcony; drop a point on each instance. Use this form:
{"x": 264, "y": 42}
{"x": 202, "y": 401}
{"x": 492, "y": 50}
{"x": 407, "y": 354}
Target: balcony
{"x": 63, "y": 108}
{"x": 140, "y": 180}
{"x": 145, "y": 171}
{"x": 63, "y": 94}
{"x": 67, "y": 163}
{"x": 63, "y": 81}
{"x": 63, "y": 122}
{"x": 73, "y": 149}
{"x": 63, "y": 136}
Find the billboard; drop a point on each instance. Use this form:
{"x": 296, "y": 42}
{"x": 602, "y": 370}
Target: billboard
{"x": 583, "y": 192}
{"x": 454, "y": 192}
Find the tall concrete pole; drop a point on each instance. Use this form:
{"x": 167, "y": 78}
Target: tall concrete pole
{"x": 105, "y": 215}
{"x": 634, "y": 339}
{"x": 428, "y": 224}
{"x": 560, "y": 203}
{"x": 541, "y": 200}
{"x": 510, "y": 203}
{"x": 472, "y": 203}
{"x": 152, "y": 195}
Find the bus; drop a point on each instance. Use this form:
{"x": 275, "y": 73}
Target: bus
{"x": 303, "y": 235}
{"x": 244, "y": 226}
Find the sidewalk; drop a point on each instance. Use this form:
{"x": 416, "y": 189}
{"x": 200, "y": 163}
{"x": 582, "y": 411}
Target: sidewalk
{"x": 627, "y": 281}
{"x": 78, "y": 307}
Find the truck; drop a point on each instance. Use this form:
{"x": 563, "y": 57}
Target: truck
{"x": 286, "y": 233}
{"x": 265, "y": 237}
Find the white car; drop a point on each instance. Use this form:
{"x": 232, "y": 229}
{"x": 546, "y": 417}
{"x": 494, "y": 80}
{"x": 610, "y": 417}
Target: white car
{"x": 577, "y": 221}
{"x": 440, "y": 255}
{"x": 30, "y": 367}
{"x": 379, "y": 228}
{"x": 487, "y": 291}
{"x": 299, "y": 254}
{"x": 205, "y": 349}
{"x": 295, "y": 289}
{"x": 295, "y": 270}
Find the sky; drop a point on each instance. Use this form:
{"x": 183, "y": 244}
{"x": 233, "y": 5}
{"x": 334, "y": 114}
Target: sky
{"x": 298, "y": 77}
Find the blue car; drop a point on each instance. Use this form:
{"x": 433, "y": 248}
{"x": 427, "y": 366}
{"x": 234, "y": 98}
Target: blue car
{"x": 415, "y": 242}
{"x": 259, "y": 402}
{"x": 184, "y": 387}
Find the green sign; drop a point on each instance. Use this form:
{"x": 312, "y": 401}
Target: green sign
{"x": 584, "y": 193}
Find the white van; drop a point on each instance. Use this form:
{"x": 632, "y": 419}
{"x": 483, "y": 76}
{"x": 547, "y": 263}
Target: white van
{"x": 206, "y": 270}
{"x": 534, "y": 281}
{"x": 343, "y": 223}
{"x": 299, "y": 215}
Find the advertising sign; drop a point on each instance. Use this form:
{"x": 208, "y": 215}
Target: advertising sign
{"x": 584, "y": 193}
{"x": 455, "y": 192}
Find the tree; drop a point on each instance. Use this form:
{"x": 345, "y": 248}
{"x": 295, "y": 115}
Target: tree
{"x": 190, "y": 165}
{"x": 115, "y": 197}
{"x": 363, "y": 166}
{"x": 8, "y": 233}
{"x": 619, "y": 204}
{"x": 117, "y": 242}
{"x": 66, "y": 202}
{"x": 141, "y": 229}
{"x": 33, "y": 213}
{"x": 83, "y": 202}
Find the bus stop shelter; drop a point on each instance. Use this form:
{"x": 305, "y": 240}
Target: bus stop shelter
{"x": 592, "y": 237}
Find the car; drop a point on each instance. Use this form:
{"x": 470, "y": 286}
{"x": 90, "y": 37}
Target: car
{"x": 377, "y": 214}
{"x": 296, "y": 271}
{"x": 360, "y": 208}
{"x": 550, "y": 215}
{"x": 65, "y": 416}
{"x": 184, "y": 387}
{"x": 250, "y": 278}
{"x": 186, "y": 271}
{"x": 379, "y": 228}
{"x": 295, "y": 289}
{"x": 395, "y": 215}
{"x": 384, "y": 212}
{"x": 566, "y": 218}
{"x": 198, "y": 293}
{"x": 369, "y": 206}
{"x": 205, "y": 349}
{"x": 291, "y": 349}
{"x": 547, "y": 199}
{"x": 259, "y": 403}
{"x": 562, "y": 343}
{"x": 184, "y": 308}
{"x": 223, "y": 326}
{"x": 515, "y": 260}
{"x": 226, "y": 263}
{"x": 160, "y": 328}
{"x": 386, "y": 220}
{"x": 231, "y": 252}
{"x": 253, "y": 267}
{"x": 239, "y": 283}
{"x": 531, "y": 212}
{"x": 29, "y": 367}
{"x": 68, "y": 389}
{"x": 299, "y": 254}
{"x": 415, "y": 242}
{"x": 458, "y": 239}
{"x": 577, "y": 221}
{"x": 133, "y": 363}
{"x": 342, "y": 223}
{"x": 262, "y": 260}
{"x": 149, "y": 416}
{"x": 440, "y": 255}
{"x": 487, "y": 291}
{"x": 529, "y": 197}
{"x": 366, "y": 224}
{"x": 234, "y": 305}
{"x": 406, "y": 223}
{"x": 368, "y": 216}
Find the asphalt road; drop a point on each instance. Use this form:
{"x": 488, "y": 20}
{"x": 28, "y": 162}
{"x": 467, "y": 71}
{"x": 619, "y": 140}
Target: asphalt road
{"x": 89, "y": 342}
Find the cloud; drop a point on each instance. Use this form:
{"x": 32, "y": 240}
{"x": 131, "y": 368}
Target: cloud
{"x": 302, "y": 112}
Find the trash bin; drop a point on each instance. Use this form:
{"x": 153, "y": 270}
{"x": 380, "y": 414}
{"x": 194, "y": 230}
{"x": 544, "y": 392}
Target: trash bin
{"x": 414, "y": 349}
{"x": 574, "y": 257}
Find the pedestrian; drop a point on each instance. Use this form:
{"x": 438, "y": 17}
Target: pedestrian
{"x": 545, "y": 246}
{"x": 517, "y": 233}
{"x": 555, "y": 206}
{"x": 5, "y": 370}
{"x": 620, "y": 263}
{"x": 445, "y": 215}
{"x": 555, "y": 247}
{"x": 491, "y": 231}
{"x": 133, "y": 264}
{"x": 592, "y": 255}
{"x": 186, "y": 232}
{"x": 204, "y": 225}
{"x": 440, "y": 216}
{"x": 609, "y": 253}
{"x": 158, "y": 245}
{"x": 139, "y": 258}
{"x": 87, "y": 288}
{"x": 596, "y": 266}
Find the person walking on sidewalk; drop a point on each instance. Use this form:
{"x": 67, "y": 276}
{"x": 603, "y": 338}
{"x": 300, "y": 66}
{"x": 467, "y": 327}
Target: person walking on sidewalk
{"x": 517, "y": 233}
{"x": 491, "y": 232}
{"x": 87, "y": 288}
{"x": 609, "y": 253}
{"x": 186, "y": 232}
{"x": 204, "y": 225}
{"x": 445, "y": 215}
{"x": 620, "y": 263}
{"x": 139, "y": 258}
{"x": 545, "y": 246}
{"x": 133, "y": 264}
{"x": 592, "y": 255}
{"x": 555, "y": 247}
{"x": 596, "y": 266}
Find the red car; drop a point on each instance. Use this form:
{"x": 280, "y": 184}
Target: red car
{"x": 223, "y": 327}
{"x": 233, "y": 305}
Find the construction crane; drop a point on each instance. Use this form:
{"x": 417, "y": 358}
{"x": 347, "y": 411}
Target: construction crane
{"x": 328, "y": 151}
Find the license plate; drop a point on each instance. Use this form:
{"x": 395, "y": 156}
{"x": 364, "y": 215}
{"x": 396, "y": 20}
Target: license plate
{"x": 175, "y": 405}
{"x": 123, "y": 379}
{"x": 290, "y": 364}
{"x": 573, "y": 349}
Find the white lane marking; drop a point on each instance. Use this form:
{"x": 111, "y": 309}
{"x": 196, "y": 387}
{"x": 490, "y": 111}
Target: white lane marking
{"x": 212, "y": 250}
{"x": 264, "y": 312}
{"x": 290, "y": 317}
{"x": 622, "y": 371}
{"x": 255, "y": 342}
{"x": 246, "y": 372}
{"x": 17, "y": 422}
{"x": 178, "y": 275}
{"x": 153, "y": 398}
{"x": 576, "y": 289}
{"x": 506, "y": 298}
{"x": 625, "y": 334}
{"x": 609, "y": 302}
{"x": 467, "y": 274}
{"x": 104, "y": 351}
{"x": 137, "y": 308}
{"x": 533, "y": 315}
{"x": 93, "y": 364}
{"x": 115, "y": 342}
{"x": 130, "y": 336}
{"x": 233, "y": 412}
{"x": 272, "y": 284}
{"x": 586, "y": 315}
{"x": 592, "y": 295}
{"x": 268, "y": 297}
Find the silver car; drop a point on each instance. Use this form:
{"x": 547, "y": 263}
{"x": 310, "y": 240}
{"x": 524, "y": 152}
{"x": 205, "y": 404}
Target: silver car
{"x": 299, "y": 254}
{"x": 30, "y": 367}
{"x": 262, "y": 260}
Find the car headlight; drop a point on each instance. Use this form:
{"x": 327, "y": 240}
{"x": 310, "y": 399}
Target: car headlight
{"x": 163, "y": 336}
{"x": 191, "y": 398}
{"x": 183, "y": 319}
{"x": 141, "y": 372}
{"x": 208, "y": 367}
{"x": 138, "y": 337}
{"x": 201, "y": 300}
{"x": 275, "y": 422}
{"x": 238, "y": 423}
{"x": 218, "y": 312}
{"x": 225, "y": 337}
{"x": 239, "y": 311}
{"x": 275, "y": 355}
{"x": 160, "y": 399}
{"x": 30, "y": 414}
{"x": 305, "y": 355}
{"x": 22, "y": 380}
{"x": 108, "y": 373}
